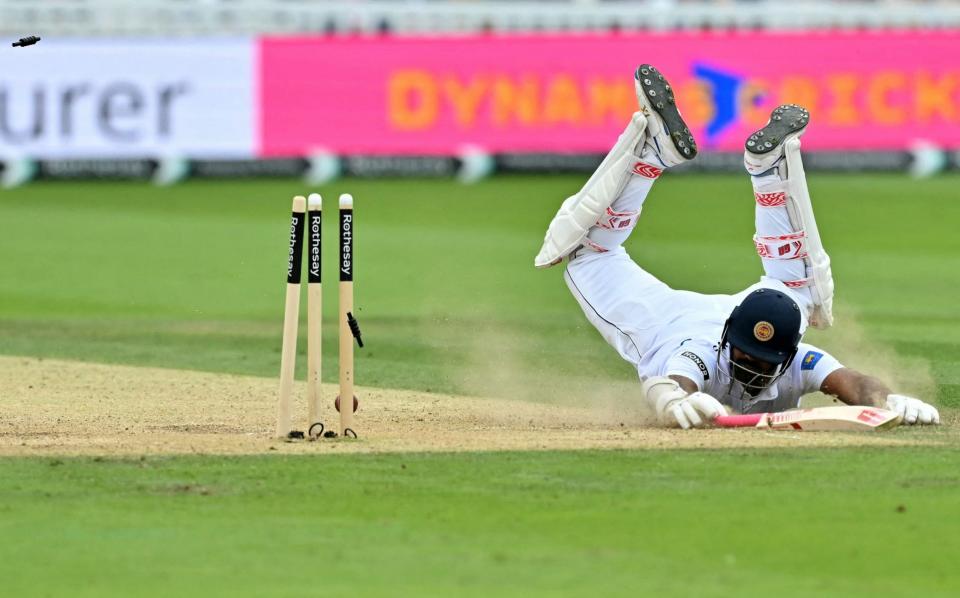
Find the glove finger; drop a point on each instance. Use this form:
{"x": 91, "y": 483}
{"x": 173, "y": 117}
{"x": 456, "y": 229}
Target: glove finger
{"x": 936, "y": 416}
{"x": 707, "y": 405}
{"x": 924, "y": 415}
{"x": 691, "y": 414}
{"x": 911, "y": 414}
{"x": 721, "y": 409}
{"x": 677, "y": 412}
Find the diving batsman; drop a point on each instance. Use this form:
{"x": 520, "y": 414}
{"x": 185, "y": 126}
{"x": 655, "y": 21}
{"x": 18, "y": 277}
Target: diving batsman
{"x": 699, "y": 355}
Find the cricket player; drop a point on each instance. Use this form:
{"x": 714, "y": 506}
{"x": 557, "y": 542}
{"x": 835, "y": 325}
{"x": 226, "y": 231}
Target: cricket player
{"x": 698, "y": 355}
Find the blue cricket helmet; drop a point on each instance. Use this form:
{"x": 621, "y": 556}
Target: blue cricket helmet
{"x": 766, "y": 325}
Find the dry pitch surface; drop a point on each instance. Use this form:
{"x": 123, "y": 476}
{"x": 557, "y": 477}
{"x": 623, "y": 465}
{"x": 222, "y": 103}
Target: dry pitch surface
{"x": 51, "y": 407}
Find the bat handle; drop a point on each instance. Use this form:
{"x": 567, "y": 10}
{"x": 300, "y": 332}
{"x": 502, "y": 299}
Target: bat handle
{"x": 749, "y": 420}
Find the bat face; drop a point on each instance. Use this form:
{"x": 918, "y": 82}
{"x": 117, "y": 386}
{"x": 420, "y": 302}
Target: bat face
{"x": 833, "y": 418}
{"x": 840, "y": 418}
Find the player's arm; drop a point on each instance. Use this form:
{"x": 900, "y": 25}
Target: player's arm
{"x": 675, "y": 406}
{"x": 856, "y": 388}
{"x": 675, "y": 396}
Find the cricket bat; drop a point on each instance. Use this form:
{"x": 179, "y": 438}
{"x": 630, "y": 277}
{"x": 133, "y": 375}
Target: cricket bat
{"x": 846, "y": 417}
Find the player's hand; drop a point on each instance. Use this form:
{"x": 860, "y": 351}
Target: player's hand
{"x": 697, "y": 410}
{"x": 913, "y": 411}
{"x": 675, "y": 407}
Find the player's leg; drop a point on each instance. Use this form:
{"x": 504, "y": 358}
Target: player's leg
{"x": 602, "y": 214}
{"x": 787, "y": 238}
{"x": 625, "y": 303}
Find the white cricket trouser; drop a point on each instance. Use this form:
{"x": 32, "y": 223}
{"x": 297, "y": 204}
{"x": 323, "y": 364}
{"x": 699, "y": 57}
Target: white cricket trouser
{"x": 620, "y": 299}
{"x": 629, "y": 306}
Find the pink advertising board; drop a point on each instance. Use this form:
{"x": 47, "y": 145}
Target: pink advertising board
{"x": 574, "y": 93}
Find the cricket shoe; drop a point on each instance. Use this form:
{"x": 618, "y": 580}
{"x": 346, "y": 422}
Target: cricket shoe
{"x": 765, "y": 148}
{"x": 667, "y": 135}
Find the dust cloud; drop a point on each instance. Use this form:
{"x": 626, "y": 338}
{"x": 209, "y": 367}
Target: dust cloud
{"x": 847, "y": 341}
{"x": 499, "y": 365}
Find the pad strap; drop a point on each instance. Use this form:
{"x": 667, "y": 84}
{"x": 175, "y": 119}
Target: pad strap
{"x": 646, "y": 170}
{"x": 594, "y": 246}
{"x": 613, "y": 220}
{"x": 774, "y": 199}
{"x": 782, "y": 247}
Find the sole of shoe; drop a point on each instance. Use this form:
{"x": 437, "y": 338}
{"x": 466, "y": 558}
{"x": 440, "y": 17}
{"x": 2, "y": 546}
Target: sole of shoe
{"x": 785, "y": 120}
{"x": 659, "y": 97}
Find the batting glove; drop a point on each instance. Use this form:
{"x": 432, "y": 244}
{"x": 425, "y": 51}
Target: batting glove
{"x": 913, "y": 411}
{"x": 674, "y": 407}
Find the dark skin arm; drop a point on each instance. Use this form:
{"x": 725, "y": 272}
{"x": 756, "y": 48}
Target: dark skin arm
{"x": 855, "y": 388}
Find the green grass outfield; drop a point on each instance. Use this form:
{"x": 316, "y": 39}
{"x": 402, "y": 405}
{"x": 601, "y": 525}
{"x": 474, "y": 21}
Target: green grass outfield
{"x": 192, "y": 277}
{"x": 844, "y": 523}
